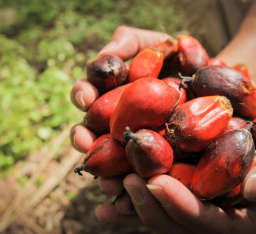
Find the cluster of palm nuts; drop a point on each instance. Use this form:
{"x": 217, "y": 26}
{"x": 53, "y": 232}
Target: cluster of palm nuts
{"x": 172, "y": 111}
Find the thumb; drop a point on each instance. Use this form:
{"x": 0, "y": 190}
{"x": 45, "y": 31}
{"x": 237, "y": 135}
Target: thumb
{"x": 126, "y": 41}
{"x": 249, "y": 185}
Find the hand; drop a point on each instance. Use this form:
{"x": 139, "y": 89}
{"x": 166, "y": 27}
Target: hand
{"x": 126, "y": 43}
{"x": 167, "y": 206}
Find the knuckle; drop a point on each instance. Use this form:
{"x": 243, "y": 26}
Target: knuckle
{"x": 122, "y": 29}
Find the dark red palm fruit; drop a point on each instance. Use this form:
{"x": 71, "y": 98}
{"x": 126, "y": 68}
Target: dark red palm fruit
{"x": 83, "y": 94}
{"x": 105, "y": 158}
{"x": 253, "y": 131}
{"x": 224, "y": 164}
{"x": 216, "y": 61}
{"x": 194, "y": 124}
{"x": 107, "y": 72}
{"x": 235, "y": 123}
{"x": 247, "y": 106}
{"x": 147, "y": 63}
{"x": 183, "y": 172}
{"x": 226, "y": 81}
{"x": 167, "y": 47}
{"x": 148, "y": 152}
{"x": 244, "y": 69}
{"x": 176, "y": 84}
{"x": 98, "y": 115}
{"x": 191, "y": 55}
{"x": 145, "y": 103}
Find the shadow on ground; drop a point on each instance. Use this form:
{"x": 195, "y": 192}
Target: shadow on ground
{"x": 79, "y": 217}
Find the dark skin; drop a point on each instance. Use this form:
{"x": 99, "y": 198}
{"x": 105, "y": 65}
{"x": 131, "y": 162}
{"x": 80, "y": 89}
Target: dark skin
{"x": 162, "y": 203}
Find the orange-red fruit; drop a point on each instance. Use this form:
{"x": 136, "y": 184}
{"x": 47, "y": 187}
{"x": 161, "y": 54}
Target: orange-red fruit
{"x": 98, "y": 115}
{"x": 148, "y": 152}
{"x": 244, "y": 69}
{"x": 215, "y": 62}
{"x": 83, "y": 94}
{"x": 183, "y": 172}
{"x": 226, "y": 81}
{"x": 145, "y": 103}
{"x": 235, "y": 123}
{"x": 191, "y": 54}
{"x": 107, "y": 72}
{"x": 224, "y": 164}
{"x": 109, "y": 160}
{"x": 167, "y": 47}
{"x": 194, "y": 124}
{"x": 175, "y": 83}
{"x": 147, "y": 63}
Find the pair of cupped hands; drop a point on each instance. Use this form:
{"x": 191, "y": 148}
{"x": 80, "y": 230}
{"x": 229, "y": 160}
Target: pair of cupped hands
{"x": 162, "y": 203}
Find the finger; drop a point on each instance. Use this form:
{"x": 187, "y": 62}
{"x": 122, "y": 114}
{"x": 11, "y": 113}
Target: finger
{"x": 83, "y": 94}
{"x": 147, "y": 208}
{"x": 185, "y": 208}
{"x": 249, "y": 185}
{"x": 124, "y": 205}
{"x": 107, "y": 213}
{"x": 127, "y": 41}
{"x": 81, "y": 138}
{"x": 111, "y": 186}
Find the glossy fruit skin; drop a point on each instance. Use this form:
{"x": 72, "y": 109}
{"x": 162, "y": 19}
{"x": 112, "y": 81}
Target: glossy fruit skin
{"x": 191, "y": 54}
{"x": 194, "y": 124}
{"x": 150, "y": 154}
{"x": 175, "y": 83}
{"x": 98, "y": 115}
{"x": 216, "y": 61}
{"x": 107, "y": 72}
{"x": 222, "y": 167}
{"x": 146, "y": 103}
{"x": 244, "y": 69}
{"x": 110, "y": 160}
{"x": 235, "y": 123}
{"x": 167, "y": 47}
{"x": 147, "y": 63}
{"x": 226, "y": 81}
{"x": 183, "y": 172}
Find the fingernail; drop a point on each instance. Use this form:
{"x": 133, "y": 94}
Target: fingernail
{"x": 109, "y": 48}
{"x": 79, "y": 98}
{"x": 250, "y": 188}
{"x": 152, "y": 187}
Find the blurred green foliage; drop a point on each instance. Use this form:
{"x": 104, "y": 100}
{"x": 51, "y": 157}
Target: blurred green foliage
{"x": 44, "y": 48}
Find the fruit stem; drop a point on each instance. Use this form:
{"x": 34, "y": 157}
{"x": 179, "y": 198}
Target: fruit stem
{"x": 128, "y": 134}
{"x": 83, "y": 167}
{"x": 250, "y": 125}
{"x": 184, "y": 80}
{"x": 78, "y": 170}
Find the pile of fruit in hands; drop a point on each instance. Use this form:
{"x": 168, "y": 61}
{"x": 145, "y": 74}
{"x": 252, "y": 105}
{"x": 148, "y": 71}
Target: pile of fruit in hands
{"x": 175, "y": 112}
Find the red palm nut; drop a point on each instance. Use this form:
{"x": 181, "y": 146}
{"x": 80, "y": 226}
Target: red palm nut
{"x": 145, "y": 103}
{"x": 194, "y": 124}
{"x": 147, "y": 63}
{"x": 98, "y": 115}
{"x": 244, "y": 69}
{"x": 191, "y": 54}
{"x": 105, "y": 158}
{"x": 216, "y": 61}
{"x": 235, "y": 123}
{"x": 224, "y": 164}
{"x": 176, "y": 83}
{"x": 183, "y": 172}
{"x": 107, "y": 72}
{"x": 226, "y": 81}
{"x": 148, "y": 152}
